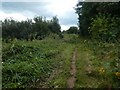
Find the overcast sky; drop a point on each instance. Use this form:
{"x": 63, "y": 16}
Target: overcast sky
{"x": 64, "y": 9}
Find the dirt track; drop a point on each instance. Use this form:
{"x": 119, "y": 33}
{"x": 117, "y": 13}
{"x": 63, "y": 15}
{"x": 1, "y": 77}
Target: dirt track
{"x": 72, "y": 79}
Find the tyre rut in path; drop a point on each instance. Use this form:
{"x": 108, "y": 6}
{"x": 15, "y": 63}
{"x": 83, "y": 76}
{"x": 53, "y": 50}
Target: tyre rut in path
{"x": 71, "y": 80}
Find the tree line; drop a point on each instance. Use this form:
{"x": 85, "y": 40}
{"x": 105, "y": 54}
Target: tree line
{"x": 38, "y": 28}
{"x": 99, "y": 20}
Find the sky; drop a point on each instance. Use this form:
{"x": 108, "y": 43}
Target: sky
{"x": 23, "y": 9}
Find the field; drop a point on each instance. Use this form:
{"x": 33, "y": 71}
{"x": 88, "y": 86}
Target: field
{"x": 47, "y": 63}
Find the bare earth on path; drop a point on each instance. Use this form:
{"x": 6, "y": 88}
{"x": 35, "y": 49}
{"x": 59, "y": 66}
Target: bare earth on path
{"x": 72, "y": 79}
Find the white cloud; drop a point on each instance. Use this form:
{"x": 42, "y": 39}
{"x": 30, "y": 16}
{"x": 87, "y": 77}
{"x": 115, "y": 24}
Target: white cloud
{"x": 61, "y": 7}
{"x": 48, "y": 8}
{"x": 15, "y": 16}
{"x": 65, "y": 27}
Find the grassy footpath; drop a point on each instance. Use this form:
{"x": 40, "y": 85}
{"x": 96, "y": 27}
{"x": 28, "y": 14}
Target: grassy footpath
{"x": 46, "y": 63}
{"x": 60, "y": 79}
{"x": 30, "y": 64}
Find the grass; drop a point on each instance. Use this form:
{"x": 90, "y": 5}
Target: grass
{"x": 47, "y": 62}
{"x": 96, "y": 65}
{"x": 24, "y": 63}
{"x": 30, "y": 64}
{"x": 84, "y": 68}
{"x": 60, "y": 79}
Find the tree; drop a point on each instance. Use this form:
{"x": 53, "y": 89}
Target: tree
{"x": 55, "y": 25}
{"x": 72, "y": 30}
{"x": 87, "y": 12}
{"x": 28, "y": 29}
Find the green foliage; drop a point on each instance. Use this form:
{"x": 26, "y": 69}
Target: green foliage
{"x": 105, "y": 28}
{"x": 60, "y": 78}
{"x": 108, "y": 55}
{"x": 72, "y": 30}
{"x": 88, "y": 10}
{"x": 55, "y": 25}
{"x": 47, "y": 63}
{"x": 100, "y": 21}
{"x": 85, "y": 11}
{"x": 27, "y": 63}
{"x": 97, "y": 64}
{"x": 38, "y": 28}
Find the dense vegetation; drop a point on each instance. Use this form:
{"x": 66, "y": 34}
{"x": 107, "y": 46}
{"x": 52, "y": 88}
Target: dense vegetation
{"x": 98, "y": 64}
{"x": 38, "y": 28}
{"x": 72, "y": 30}
{"x": 29, "y": 64}
{"x": 46, "y": 63}
{"x": 35, "y": 53}
{"x": 99, "y": 20}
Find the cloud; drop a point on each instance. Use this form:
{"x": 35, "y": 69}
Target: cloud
{"x": 60, "y": 7}
{"x": 35, "y": 8}
{"x": 48, "y": 8}
{"x": 69, "y": 18}
{"x": 16, "y": 16}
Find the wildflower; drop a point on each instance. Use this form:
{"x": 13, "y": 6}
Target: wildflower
{"x": 30, "y": 53}
{"x": 118, "y": 74}
{"x": 101, "y": 70}
{"x": 85, "y": 40}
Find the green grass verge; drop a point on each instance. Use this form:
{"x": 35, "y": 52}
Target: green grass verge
{"x": 97, "y": 63}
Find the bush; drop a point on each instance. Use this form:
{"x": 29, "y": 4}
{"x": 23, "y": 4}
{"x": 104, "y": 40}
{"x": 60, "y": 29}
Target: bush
{"x": 105, "y": 28}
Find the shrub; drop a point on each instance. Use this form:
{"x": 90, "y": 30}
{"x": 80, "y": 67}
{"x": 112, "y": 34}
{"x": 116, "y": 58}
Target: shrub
{"x": 105, "y": 28}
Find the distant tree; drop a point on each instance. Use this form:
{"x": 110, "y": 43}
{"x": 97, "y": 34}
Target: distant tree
{"x": 30, "y": 30}
{"x": 40, "y": 27}
{"x": 72, "y": 30}
{"x": 55, "y": 25}
{"x": 26, "y": 29}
